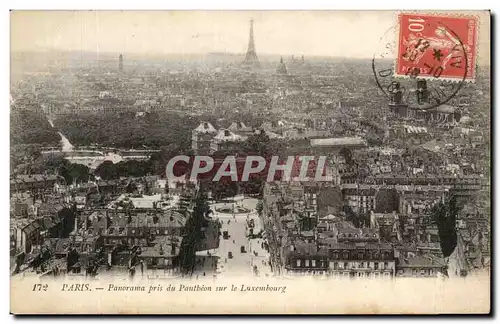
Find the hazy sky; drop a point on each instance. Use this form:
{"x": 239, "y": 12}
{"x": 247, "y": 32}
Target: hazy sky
{"x": 332, "y": 33}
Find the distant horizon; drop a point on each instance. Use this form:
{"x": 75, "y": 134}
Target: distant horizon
{"x": 125, "y": 54}
{"x": 286, "y": 57}
{"x": 343, "y": 34}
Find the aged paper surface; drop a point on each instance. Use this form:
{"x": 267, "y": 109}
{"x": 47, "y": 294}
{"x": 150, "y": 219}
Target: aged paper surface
{"x": 250, "y": 162}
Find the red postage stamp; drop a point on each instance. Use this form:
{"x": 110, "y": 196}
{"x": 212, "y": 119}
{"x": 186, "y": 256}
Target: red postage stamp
{"x": 433, "y": 46}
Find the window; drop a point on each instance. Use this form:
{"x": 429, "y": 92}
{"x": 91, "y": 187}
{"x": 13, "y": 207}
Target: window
{"x": 386, "y": 265}
{"x": 381, "y": 266}
{"x": 345, "y": 265}
{"x": 307, "y": 263}
{"x": 313, "y": 263}
{"x": 298, "y": 263}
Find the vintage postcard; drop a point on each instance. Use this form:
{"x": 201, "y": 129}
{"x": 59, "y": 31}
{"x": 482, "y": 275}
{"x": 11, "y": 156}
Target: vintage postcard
{"x": 250, "y": 162}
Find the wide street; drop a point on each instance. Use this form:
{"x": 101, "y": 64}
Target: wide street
{"x": 254, "y": 255}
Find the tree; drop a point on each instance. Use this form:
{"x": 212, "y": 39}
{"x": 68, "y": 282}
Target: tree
{"x": 31, "y": 127}
{"x": 347, "y": 154}
{"x": 253, "y": 186}
{"x": 49, "y": 164}
{"x": 351, "y": 216}
{"x": 387, "y": 201}
{"x": 107, "y": 171}
{"x": 24, "y": 153}
{"x": 133, "y": 168}
{"x": 75, "y": 173}
{"x": 126, "y": 131}
{"x": 258, "y": 144}
{"x": 223, "y": 189}
{"x": 260, "y": 207}
{"x": 445, "y": 216}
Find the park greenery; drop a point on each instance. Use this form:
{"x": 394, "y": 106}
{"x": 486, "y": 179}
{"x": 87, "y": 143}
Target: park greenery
{"x": 56, "y": 164}
{"x": 168, "y": 132}
{"x": 29, "y": 131}
{"x": 126, "y": 130}
{"x": 31, "y": 127}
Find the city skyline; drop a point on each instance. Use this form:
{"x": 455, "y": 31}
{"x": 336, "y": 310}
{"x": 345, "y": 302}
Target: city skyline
{"x": 201, "y": 32}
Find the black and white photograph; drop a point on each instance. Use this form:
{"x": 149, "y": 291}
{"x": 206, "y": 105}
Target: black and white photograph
{"x": 250, "y": 162}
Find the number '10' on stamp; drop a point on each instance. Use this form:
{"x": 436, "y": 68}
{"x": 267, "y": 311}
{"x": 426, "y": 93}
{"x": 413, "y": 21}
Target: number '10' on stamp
{"x": 433, "y": 46}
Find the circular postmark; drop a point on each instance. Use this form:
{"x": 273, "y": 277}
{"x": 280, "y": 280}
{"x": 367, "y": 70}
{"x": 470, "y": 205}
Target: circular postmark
{"x": 422, "y": 70}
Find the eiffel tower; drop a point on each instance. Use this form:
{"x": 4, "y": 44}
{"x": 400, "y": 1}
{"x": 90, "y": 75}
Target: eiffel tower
{"x": 251, "y": 59}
